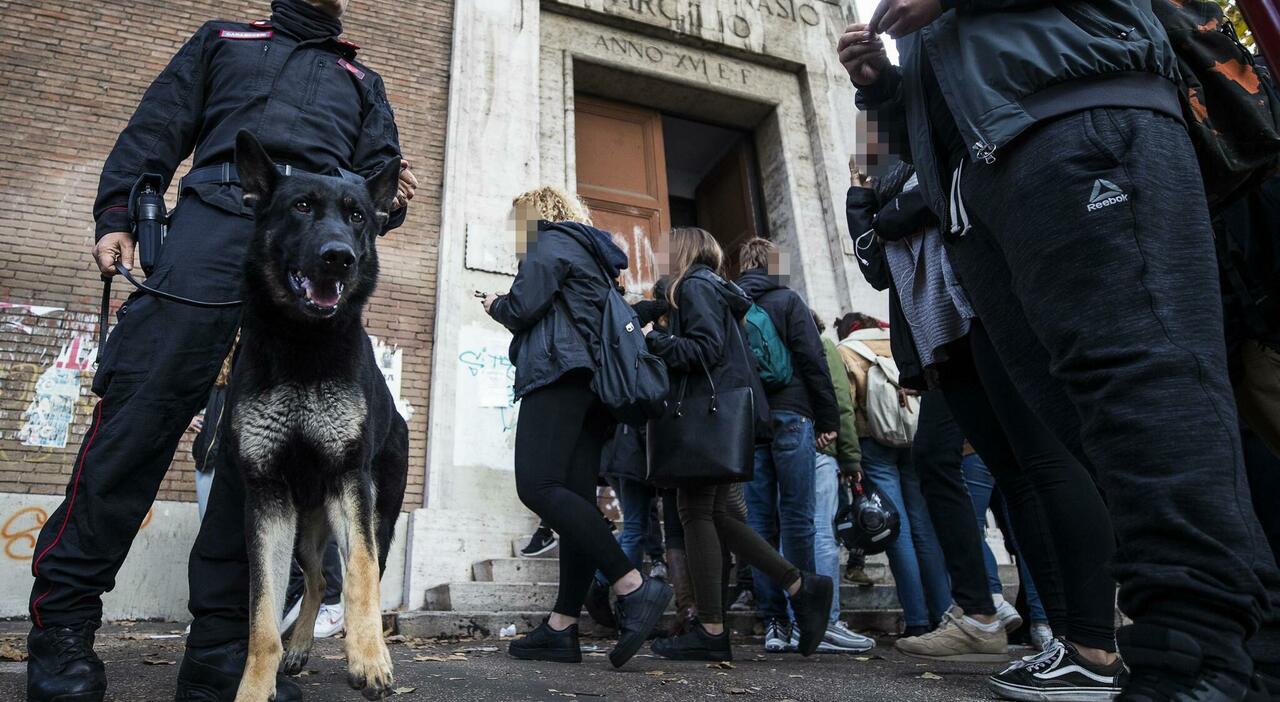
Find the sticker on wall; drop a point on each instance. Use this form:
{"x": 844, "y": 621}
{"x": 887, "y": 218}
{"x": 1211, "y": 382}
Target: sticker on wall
{"x": 390, "y": 360}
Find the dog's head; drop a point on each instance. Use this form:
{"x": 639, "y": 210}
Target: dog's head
{"x": 314, "y": 252}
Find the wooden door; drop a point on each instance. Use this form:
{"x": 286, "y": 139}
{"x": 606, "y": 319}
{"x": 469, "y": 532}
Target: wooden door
{"x": 622, "y": 176}
{"x": 727, "y": 203}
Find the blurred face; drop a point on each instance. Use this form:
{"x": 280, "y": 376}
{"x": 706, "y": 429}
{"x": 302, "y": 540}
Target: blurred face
{"x": 779, "y": 265}
{"x": 333, "y": 7}
{"x": 522, "y": 223}
{"x": 873, "y": 147}
{"x": 661, "y": 254}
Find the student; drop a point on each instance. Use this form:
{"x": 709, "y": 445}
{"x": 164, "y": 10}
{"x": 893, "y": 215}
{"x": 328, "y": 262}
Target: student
{"x": 804, "y": 413}
{"x": 704, "y": 327}
{"x": 553, "y": 309}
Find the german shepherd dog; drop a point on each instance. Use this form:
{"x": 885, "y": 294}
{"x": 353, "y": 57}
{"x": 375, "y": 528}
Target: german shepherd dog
{"x": 313, "y": 428}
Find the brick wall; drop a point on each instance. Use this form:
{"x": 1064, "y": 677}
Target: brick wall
{"x": 73, "y": 72}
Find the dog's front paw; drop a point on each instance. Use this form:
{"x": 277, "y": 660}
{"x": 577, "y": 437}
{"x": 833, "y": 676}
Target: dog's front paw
{"x": 295, "y": 660}
{"x": 369, "y": 670}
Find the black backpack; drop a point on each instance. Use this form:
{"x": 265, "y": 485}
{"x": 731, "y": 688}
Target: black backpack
{"x": 1228, "y": 101}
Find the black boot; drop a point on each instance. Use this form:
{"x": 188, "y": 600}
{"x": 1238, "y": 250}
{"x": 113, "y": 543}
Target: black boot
{"x": 695, "y": 645}
{"x": 638, "y": 613}
{"x": 812, "y": 605}
{"x": 213, "y": 674}
{"x": 547, "y": 644}
{"x": 62, "y": 667}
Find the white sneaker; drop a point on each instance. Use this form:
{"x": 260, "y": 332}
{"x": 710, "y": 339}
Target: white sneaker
{"x": 793, "y": 641}
{"x": 775, "y": 637}
{"x": 329, "y": 620}
{"x": 840, "y": 639}
{"x": 1006, "y": 613}
{"x": 291, "y": 616}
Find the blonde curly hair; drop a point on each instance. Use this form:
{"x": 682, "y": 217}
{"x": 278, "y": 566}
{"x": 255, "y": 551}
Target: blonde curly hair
{"x": 554, "y": 205}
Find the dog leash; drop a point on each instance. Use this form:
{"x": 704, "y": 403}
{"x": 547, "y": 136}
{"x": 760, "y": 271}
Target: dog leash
{"x": 105, "y": 312}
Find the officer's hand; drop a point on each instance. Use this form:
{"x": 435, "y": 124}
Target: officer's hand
{"x": 116, "y": 246}
{"x": 825, "y": 439}
{"x": 862, "y": 54}
{"x": 408, "y": 185}
{"x": 898, "y": 18}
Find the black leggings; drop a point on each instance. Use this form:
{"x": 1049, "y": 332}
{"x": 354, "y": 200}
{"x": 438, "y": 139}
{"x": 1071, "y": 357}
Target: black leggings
{"x": 1057, "y": 513}
{"x": 559, "y": 435}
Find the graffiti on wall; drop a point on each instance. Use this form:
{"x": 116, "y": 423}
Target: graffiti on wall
{"x": 22, "y": 528}
{"x": 486, "y": 410}
{"x": 48, "y": 417}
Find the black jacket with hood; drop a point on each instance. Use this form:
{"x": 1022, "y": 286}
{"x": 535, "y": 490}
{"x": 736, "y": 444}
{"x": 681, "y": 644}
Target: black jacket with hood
{"x": 705, "y": 326}
{"x": 555, "y": 304}
{"x": 810, "y": 392}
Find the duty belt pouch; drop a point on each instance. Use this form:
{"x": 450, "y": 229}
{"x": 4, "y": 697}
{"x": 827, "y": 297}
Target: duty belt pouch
{"x": 149, "y": 218}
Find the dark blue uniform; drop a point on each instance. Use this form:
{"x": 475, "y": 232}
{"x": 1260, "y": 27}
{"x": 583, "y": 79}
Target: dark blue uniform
{"x": 314, "y": 107}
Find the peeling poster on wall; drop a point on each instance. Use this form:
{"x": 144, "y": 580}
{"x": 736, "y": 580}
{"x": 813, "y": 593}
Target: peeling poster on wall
{"x": 48, "y": 417}
{"x": 390, "y": 361}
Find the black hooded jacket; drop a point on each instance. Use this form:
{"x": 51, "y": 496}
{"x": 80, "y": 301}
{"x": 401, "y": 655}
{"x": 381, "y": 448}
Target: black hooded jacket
{"x": 555, "y": 304}
{"x": 705, "y": 326}
{"x": 810, "y": 392}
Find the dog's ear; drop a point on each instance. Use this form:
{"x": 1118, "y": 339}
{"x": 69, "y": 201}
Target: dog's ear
{"x": 255, "y": 168}
{"x": 383, "y": 188}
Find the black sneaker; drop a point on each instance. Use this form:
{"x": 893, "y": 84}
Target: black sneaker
{"x": 547, "y": 644}
{"x": 599, "y": 606}
{"x": 638, "y": 613}
{"x": 62, "y": 667}
{"x": 543, "y": 540}
{"x": 1059, "y": 673}
{"x": 812, "y": 605}
{"x": 695, "y": 645}
{"x": 213, "y": 674}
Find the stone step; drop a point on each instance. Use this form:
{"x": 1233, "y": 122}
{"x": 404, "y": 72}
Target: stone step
{"x": 547, "y": 570}
{"x": 424, "y": 624}
{"x": 518, "y": 597}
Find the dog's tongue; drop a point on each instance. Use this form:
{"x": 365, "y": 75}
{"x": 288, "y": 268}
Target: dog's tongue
{"x": 323, "y": 293}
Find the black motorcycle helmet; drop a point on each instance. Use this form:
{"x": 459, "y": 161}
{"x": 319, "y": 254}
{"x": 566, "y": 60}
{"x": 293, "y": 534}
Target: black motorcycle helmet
{"x": 869, "y": 523}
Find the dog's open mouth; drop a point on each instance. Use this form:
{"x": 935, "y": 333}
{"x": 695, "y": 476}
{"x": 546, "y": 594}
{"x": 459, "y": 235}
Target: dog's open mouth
{"x": 321, "y": 296}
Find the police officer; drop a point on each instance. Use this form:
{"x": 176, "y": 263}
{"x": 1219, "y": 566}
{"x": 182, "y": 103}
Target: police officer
{"x": 298, "y": 86}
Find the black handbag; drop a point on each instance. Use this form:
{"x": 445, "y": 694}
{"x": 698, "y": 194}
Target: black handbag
{"x": 703, "y": 440}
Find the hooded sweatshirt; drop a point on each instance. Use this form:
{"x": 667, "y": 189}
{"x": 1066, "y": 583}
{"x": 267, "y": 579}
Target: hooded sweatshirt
{"x": 705, "y": 331}
{"x": 556, "y": 302}
{"x": 810, "y": 392}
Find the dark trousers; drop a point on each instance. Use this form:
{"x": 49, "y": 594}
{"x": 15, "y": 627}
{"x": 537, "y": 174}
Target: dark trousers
{"x": 156, "y": 370}
{"x": 1063, "y": 528}
{"x": 1109, "y": 323}
{"x": 936, "y": 455}
{"x": 332, "y": 577}
{"x": 559, "y": 436}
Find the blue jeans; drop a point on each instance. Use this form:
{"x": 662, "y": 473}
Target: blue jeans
{"x": 635, "y": 498}
{"x": 981, "y": 486}
{"x": 915, "y": 557}
{"x": 780, "y": 503}
{"x": 826, "y": 552}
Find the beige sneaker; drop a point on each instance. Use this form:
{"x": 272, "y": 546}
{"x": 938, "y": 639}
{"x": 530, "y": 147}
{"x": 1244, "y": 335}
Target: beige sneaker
{"x": 957, "y": 640}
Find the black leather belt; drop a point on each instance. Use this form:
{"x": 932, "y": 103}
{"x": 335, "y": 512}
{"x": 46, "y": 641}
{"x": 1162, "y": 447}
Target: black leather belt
{"x": 226, "y": 173}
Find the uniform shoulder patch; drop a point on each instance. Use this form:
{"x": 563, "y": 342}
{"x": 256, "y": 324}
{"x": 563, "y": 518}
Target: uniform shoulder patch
{"x": 355, "y": 70}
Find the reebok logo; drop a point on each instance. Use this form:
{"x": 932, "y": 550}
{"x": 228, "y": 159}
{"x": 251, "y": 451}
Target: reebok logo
{"x": 1105, "y": 194}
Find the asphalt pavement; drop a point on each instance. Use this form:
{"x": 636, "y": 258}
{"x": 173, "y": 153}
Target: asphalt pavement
{"x": 142, "y": 663}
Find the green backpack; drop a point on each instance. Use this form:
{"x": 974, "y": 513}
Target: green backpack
{"x": 773, "y": 359}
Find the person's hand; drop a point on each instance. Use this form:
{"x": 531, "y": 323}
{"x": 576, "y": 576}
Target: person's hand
{"x": 862, "y": 54}
{"x": 116, "y": 246}
{"x": 898, "y": 18}
{"x": 857, "y": 178}
{"x": 646, "y": 329}
{"x": 825, "y": 439}
{"x": 488, "y": 301}
{"x": 406, "y": 188}
{"x": 905, "y": 395}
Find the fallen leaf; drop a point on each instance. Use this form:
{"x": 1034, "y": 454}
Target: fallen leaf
{"x": 655, "y": 673}
{"x": 157, "y": 661}
{"x": 737, "y": 691}
{"x": 398, "y": 638}
{"x": 435, "y": 659}
{"x": 403, "y": 690}
{"x": 12, "y": 653}
{"x": 726, "y": 665}
{"x": 931, "y": 676}
{"x": 478, "y": 649}
{"x": 330, "y": 657}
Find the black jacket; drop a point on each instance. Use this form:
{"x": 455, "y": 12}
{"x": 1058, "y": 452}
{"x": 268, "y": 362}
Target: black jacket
{"x": 555, "y": 304}
{"x": 310, "y": 103}
{"x": 810, "y": 392}
{"x": 860, "y": 210}
{"x": 706, "y": 326}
